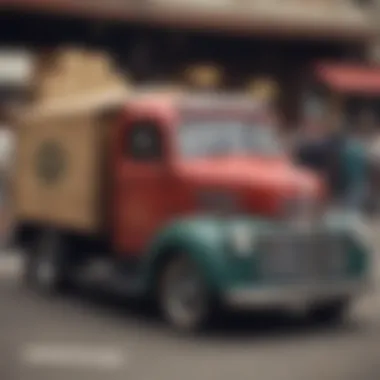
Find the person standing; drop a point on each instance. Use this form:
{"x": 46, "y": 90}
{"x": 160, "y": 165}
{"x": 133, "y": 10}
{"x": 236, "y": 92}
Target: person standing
{"x": 347, "y": 163}
{"x": 337, "y": 155}
{"x": 310, "y": 143}
{"x": 355, "y": 169}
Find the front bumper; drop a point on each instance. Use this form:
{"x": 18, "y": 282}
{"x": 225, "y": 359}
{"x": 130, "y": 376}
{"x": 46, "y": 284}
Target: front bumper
{"x": 294, "y": 296}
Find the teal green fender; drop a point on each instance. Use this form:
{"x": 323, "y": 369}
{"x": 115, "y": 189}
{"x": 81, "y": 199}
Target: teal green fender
{"x": 201, "y": 240}
{"x": 205, "y": 241}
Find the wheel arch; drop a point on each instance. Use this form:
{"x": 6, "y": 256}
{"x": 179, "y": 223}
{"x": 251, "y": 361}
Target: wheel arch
{"x": 172, "y": 242}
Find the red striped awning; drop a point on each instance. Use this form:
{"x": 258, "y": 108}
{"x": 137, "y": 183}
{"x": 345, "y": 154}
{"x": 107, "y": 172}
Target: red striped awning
{"x": 350, "y": 78}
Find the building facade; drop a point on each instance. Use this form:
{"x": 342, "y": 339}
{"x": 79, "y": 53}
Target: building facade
{"x": 156, "y": 40}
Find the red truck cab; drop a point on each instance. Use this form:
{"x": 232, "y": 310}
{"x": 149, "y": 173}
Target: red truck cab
{"x": 182, "y": 155}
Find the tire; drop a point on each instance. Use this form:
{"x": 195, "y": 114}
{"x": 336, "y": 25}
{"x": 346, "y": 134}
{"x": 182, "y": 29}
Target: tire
{"x": 332, "y": 313}
{"x": 185, "y": 316}
{"x": 47, "y": 264}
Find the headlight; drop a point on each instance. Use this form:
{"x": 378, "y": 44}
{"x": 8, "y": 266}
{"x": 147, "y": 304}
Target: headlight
{"x": 241, "y": 240}
{"x": 359, "y": 228}
{"x": 353, "y": 222}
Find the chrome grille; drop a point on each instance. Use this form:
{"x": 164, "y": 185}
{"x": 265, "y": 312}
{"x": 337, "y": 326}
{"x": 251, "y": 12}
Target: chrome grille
{"x": 296, "y": 256}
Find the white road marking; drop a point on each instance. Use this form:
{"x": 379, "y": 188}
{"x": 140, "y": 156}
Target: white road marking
{"x": 73, "y": 356}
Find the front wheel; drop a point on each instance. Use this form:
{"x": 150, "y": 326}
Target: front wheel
{"x": 183, "y": 295}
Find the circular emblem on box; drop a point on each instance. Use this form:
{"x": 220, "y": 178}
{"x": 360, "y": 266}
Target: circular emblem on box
{"x": 50, "y": 162}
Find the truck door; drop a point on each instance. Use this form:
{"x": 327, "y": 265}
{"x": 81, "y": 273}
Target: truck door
{"x": 141, "y": 186}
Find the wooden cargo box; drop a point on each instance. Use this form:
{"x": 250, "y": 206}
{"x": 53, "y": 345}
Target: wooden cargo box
{"x": 58, "y": 171}
{"x": 61, "y": 144}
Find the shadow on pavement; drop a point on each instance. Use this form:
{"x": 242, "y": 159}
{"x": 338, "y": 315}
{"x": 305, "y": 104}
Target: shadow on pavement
{"x": 230, "y": 326}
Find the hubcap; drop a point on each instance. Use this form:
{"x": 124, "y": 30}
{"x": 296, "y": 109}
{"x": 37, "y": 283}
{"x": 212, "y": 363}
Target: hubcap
{"x": 184, "y": 297}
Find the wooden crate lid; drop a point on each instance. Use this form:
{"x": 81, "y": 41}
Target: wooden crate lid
{"x": 75, "y": 80}
{"x": 74, "y": 105}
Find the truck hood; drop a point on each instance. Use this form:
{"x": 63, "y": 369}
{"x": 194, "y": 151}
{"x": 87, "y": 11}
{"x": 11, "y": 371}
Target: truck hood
{"x": 261, "y": 182}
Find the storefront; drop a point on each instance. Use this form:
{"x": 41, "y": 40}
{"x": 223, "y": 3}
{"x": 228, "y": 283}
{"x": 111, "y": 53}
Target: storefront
{"x": 347, "y": 93}
{"x": 159, "y": 40}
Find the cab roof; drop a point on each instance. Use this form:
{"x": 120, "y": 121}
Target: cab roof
{"x": 192, "y": 101}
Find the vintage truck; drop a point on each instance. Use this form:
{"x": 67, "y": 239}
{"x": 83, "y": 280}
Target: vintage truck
{"x": 188, "y": 200}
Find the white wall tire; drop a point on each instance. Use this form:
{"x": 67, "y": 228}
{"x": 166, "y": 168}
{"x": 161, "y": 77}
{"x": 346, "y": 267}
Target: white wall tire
{"x": 183, "y": 296}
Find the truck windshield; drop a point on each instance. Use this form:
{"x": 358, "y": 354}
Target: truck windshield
{"x": 212, "y": 138}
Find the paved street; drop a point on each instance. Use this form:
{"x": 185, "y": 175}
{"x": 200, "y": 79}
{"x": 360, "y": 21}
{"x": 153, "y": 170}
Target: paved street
{"x": 94, "y": 337}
